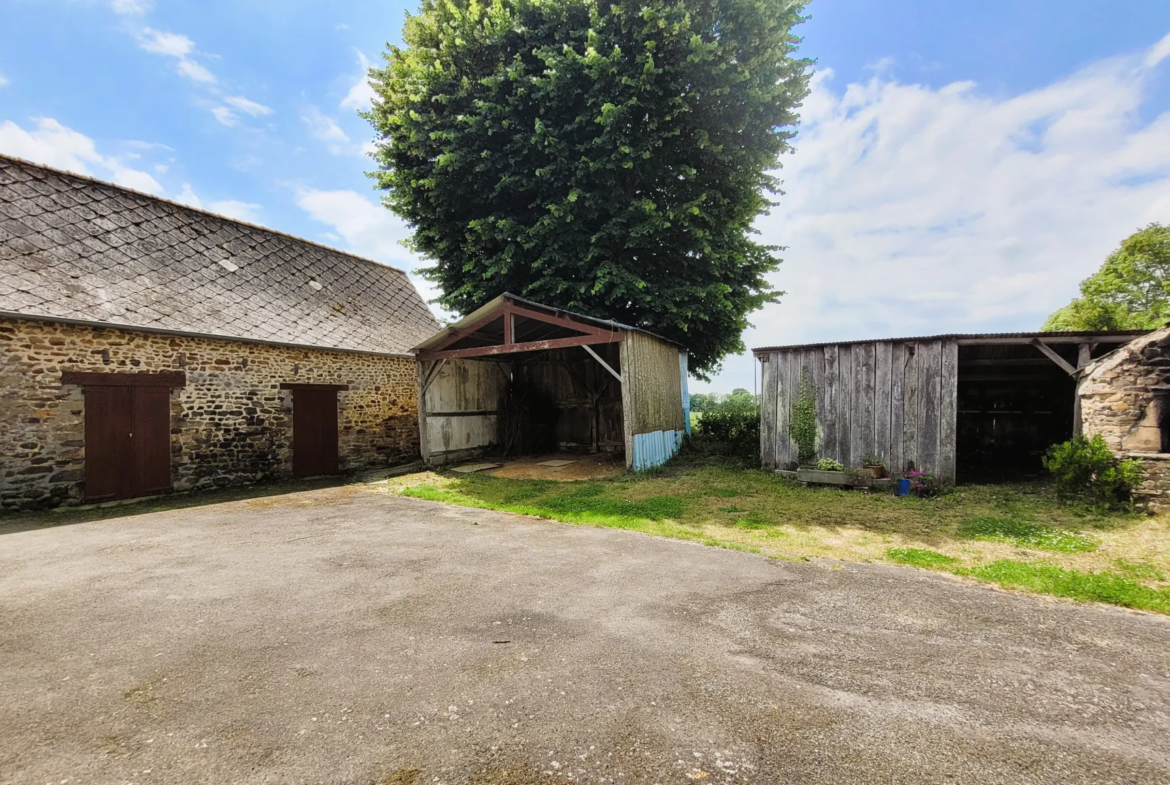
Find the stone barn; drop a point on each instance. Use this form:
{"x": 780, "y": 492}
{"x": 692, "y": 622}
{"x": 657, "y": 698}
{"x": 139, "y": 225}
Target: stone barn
{"x": 1125, "y": 398}
{"x": 148, "y": 347}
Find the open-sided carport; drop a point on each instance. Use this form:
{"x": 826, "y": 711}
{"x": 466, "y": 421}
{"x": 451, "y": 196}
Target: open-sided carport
{"x": 523, "y": 378}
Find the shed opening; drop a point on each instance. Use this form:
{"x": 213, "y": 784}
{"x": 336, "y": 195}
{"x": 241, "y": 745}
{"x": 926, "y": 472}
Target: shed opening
{"x": 1017, "y": 397}
{"x": 518, "y": 378}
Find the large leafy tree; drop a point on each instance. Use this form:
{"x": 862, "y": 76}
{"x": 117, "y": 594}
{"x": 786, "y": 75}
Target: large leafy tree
{"x": 1131, "y": 291}
{"x": 602, "y": 156}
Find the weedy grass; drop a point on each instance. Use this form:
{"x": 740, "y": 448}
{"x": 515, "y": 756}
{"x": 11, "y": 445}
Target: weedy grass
{"x": 1026, "y": 535}
{"x": 921, "y": 557}
{"x": 965, "y": 532}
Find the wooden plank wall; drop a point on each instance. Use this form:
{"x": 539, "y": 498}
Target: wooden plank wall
{"x": 651, "y": 372}
{"x": 460, "y": 409}
{"x": 893, "y": 399}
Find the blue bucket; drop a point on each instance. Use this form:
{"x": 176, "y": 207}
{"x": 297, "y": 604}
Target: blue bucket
{"x": 903, "y": 487}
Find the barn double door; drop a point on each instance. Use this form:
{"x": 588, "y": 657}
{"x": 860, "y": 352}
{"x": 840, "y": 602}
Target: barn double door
{"x": 127, "y": 441}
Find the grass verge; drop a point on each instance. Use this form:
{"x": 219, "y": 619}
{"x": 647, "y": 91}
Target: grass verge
{"x": 1015, "y": 536}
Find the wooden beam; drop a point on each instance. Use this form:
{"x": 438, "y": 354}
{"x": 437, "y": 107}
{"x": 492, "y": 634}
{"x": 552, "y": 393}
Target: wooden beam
{"x": 459, "y": 335}
{"x": 529, "y": 346}
{"x": 604, "y": 364}
{"x": 312, "y": 386}
{"x": 1051, "y": 354}
{"x": 559, "y": 320}
{"x": 432, "y": 375}
{"x": 99, "y": 379}
{"x": 1084, "y": 357}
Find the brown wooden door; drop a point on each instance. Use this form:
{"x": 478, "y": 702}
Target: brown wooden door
{"x": 127, "y": 442}
{"x": 314, "y": 432}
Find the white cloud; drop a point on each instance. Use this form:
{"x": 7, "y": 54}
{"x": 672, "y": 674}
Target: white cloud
{"x": 360, "y": 94}
{"x": 53, "y": 144}
{"x": 177, "y": 46}
{"x": 367, "y": 228}
{"x": 167, "y": 44}
{"x": 243, "y": 211}
{"x": 322, "y": 126}
{"x": 188, "y": 197}
{"x": 131, "y": 7}
{"x": 192, "y": 70}
{"x": 911, "y": 210}
{"x": 247, "y": 107}
{"x": 224, "y": 115}
{"x": 4, "y": 81}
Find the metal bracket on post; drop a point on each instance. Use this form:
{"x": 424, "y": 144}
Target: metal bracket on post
{"x": 604, "y": 364}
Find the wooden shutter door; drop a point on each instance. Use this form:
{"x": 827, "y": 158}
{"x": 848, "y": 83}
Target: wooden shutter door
{"x": 109, "y": 423}
{"x": 314, "y": 432}
{"x": 152, "y": 440}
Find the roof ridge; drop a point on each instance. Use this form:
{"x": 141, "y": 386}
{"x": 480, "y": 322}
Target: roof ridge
{"x": 172, "y": 202}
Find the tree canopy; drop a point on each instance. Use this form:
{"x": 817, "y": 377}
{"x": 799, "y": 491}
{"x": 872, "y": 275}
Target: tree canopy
{"x": 603, "y": 156}
{"x": 1131, "y": 291}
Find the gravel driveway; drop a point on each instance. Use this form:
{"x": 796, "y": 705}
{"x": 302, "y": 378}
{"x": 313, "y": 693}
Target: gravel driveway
{"x": 346, "y": 636}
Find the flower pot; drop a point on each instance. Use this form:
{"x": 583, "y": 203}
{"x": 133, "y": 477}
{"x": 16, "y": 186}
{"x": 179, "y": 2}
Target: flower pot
{"x": 878, "y": 470}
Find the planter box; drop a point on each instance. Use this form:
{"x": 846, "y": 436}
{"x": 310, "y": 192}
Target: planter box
{"x": 856, "y": 480}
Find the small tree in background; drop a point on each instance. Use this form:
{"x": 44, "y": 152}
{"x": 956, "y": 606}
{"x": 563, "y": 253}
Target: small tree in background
{"x": 602, "y": 156}
{"x": 1131, "y": 291}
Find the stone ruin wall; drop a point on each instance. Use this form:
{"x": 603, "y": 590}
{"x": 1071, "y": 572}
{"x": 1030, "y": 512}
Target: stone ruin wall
{"x": 1120, "y": 401}
{"x": 230, "y": 425}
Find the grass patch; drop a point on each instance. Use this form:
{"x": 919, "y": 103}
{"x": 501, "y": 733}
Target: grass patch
{"x": 1025, "y": 535}
{"x": 921, "y": 557}
{"x": 1137, "y": 570}
{"x": 967, "y": 532}
{"x": 1075, "y": 584}
{"x": 754, "y": 521}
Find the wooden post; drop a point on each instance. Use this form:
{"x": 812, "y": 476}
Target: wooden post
{"x": 423, "y": 447}
{"x": 1084, "y": 356}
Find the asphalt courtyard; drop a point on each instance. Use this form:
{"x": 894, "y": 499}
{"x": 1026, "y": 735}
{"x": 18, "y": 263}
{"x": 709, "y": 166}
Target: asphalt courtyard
{"x": 346, "y": 636}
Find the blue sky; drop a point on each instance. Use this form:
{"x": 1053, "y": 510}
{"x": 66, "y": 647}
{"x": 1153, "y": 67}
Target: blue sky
{"x": 961, "y": 165}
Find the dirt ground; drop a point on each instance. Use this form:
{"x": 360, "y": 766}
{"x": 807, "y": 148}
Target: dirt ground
{"x": 343, "y": 636}
{"x": 580, "y": 467}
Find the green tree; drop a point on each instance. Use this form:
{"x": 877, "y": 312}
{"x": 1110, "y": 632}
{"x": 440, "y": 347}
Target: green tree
{"x": 1130, "y": 291}
{"x": 603, "y": 156}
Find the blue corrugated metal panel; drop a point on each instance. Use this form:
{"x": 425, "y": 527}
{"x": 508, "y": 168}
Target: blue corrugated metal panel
{"x": 682, "y": 369}
{"x": 655, "y": 449}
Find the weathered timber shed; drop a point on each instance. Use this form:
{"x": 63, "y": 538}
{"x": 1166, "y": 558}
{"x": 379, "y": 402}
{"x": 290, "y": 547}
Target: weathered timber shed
{"x": 960, "y": 407}
{"x": 149, "y": 347}
{"x": 518, "y": 377}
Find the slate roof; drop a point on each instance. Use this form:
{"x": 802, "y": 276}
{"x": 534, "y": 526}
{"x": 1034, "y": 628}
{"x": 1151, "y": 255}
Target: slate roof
{"x": 80, "y": 250}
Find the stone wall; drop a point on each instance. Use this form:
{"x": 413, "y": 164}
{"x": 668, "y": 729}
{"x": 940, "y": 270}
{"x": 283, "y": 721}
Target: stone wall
{"x": 1121, "y": 397}
{"x": 230, "y": 425}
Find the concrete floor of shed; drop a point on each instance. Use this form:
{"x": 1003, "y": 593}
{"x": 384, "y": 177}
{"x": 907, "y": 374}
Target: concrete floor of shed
{"x": 584, "y": 466}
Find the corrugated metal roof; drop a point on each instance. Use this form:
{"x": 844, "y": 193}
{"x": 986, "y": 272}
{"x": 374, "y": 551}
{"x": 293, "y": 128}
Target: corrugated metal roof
{"x": 1129, "y": 334}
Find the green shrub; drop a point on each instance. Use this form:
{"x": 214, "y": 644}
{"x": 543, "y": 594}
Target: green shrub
{"x": 829, "y": 465}
{"x": 804, "y": 422}
{"x": 1085, "y": 469}
{"x": 731, "y": 426}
